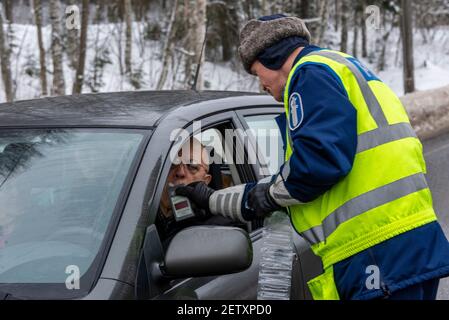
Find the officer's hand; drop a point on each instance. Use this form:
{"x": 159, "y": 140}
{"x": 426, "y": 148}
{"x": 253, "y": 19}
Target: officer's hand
{"x": 260, "y": 200}
{"x": 198, "y": 192}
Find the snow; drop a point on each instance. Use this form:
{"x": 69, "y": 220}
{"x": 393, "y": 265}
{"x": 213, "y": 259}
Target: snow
{"x": 431, "y": 63}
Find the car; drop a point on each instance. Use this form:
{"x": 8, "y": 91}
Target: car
{"x": 81, "y": 179}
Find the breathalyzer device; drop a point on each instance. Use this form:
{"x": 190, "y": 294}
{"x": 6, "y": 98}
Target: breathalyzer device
{"x": 181, "y": 207}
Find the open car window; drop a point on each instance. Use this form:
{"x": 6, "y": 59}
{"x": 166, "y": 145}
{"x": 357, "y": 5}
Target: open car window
{"x": 223, "y": 174}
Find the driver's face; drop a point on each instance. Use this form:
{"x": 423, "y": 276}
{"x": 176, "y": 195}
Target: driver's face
{"x": 186, "y": 173}
{"x": 192, "y": 166}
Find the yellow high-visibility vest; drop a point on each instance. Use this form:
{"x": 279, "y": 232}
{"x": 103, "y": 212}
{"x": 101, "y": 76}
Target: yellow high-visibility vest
{"x": 385, "y": 194}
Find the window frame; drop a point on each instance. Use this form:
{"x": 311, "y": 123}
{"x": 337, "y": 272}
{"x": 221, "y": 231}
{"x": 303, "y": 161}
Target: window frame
{"x": 245, "y": 172}
{"x": 208, "y": 122}
{"x": 258, "y": 111}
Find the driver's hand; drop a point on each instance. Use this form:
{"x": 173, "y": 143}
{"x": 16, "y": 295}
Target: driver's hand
{"x": 198, "y": 192}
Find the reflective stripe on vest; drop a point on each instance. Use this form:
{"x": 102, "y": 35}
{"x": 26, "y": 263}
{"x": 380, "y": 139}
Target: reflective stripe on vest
{"x": 406, "y": 189}
{"x": 363, "y": 203}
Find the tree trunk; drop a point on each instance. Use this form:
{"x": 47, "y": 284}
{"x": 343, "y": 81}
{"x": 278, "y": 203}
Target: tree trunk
{"x": 5, "y": 61}
{"x": 225, "y": 29}
{"x": 356, "y": 31}
{"x": 235, "y": 10}
{"x": 72, "y": 42}
{"x": 200, "y": 32}
{"x": 383, "y": 45}
{"x": 305, "y": 9}
{"x": 189, "y": 41}
{"x": 79, "y": 78}
{"x": 364, "y": 35}
{"x": 194, "y": 40}
{"x": 323, "y": 23}
{"x": 344, "y": 26}
{"x": 8, "y": 11}
{"x": 337, "y": 14}
{"x": 168, "y": 47}
{"x": 407, "y": 45}
{"x": 128, "y": 32}
{"x": 43, "y": 67}
{"x": 56, "y": 48}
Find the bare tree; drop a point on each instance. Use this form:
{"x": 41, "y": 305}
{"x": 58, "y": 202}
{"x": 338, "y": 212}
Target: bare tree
{"x": 305, "y": 6}
{"x": 167, "y": 54}
{"x": 5, "y": 61}
{"x": 79, "y": 78}
{"x": 200, "y": 34}
{"x": 195, "y": 14}
{"x": 344, "y": 25}
{"x": 9, "y": 16}
{"x": 94, "y": 74}
{"x": 323, "y": 22}
{"x": 407, "y": 45}
{"x": 128, "y": 37}
{"x": 355, "y": 42}
{"x": 8, "y": 10}
{"x": 382, "y": 40}
{"x": 56, "y": 48}
{"x": 223, "y": 28}
{"x": 43, "y": 67}
{"x": 364, "y": 35}
{"x": 337, "y": 14}
{"x": 72, "y": 42}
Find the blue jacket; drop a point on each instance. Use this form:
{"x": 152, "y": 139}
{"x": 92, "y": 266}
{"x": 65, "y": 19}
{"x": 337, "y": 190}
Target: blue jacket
{"x": 326, "y": 143}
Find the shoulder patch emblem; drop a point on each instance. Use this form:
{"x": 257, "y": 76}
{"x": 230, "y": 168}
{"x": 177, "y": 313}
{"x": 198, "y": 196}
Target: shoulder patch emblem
{"x": 296, "y": 115}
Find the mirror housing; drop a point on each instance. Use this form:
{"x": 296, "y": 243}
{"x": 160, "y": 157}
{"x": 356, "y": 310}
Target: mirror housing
{"x": 207, "y": 251}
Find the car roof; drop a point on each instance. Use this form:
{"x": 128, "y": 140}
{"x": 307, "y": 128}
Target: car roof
{"x": 122, "y": 109}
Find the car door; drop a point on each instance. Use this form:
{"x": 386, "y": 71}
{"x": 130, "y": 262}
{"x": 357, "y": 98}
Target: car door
{"x": 270, "y": 150}
{"x": 238, "y": 286}
{"x": 243, "y": 285}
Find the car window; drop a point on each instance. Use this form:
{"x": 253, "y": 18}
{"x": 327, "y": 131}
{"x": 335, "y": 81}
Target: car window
{"x": 58, "y": 191}
{"x": 214, "y": 142}
{"x": 222, "y": 173}
{"x": 269, "y": 140}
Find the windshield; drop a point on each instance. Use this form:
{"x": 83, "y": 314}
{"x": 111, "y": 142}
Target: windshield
{"x": 58, "y": 191}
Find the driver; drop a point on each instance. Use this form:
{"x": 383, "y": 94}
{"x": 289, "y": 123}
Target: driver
{"x": 193, "y": 167}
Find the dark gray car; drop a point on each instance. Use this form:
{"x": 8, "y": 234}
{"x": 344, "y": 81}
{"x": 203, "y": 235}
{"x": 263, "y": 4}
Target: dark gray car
{"x": 81, "y": 179}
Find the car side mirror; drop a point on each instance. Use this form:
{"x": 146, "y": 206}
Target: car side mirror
{"x": 193, "y": 252}
{"x": 208, "y": 251}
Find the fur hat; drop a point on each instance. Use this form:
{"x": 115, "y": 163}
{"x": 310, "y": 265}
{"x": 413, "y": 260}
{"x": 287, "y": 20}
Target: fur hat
{"x": 258, "y": 35}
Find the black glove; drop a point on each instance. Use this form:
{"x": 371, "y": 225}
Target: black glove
{"x": 260, "y": 200}
{"x": 198, "y": 192}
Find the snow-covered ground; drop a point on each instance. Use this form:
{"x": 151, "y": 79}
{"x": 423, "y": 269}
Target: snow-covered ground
{"x": 431, "y": 63}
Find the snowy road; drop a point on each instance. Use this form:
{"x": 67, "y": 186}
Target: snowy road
{"x": 437, "y": 157}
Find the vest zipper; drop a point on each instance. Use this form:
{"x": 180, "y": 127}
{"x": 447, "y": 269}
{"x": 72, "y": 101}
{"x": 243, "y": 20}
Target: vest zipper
{"x": 383, "y": 286}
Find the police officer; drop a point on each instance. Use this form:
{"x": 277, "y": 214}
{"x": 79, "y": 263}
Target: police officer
{"x": 353, "y": 179}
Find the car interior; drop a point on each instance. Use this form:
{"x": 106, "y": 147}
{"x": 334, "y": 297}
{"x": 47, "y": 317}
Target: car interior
{"x": 224, "y": 173}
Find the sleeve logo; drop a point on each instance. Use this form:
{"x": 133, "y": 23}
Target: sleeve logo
{"x": 296, "y": 109}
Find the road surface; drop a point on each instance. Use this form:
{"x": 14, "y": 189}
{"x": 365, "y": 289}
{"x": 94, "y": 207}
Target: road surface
{"x": 437, "y": 157}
